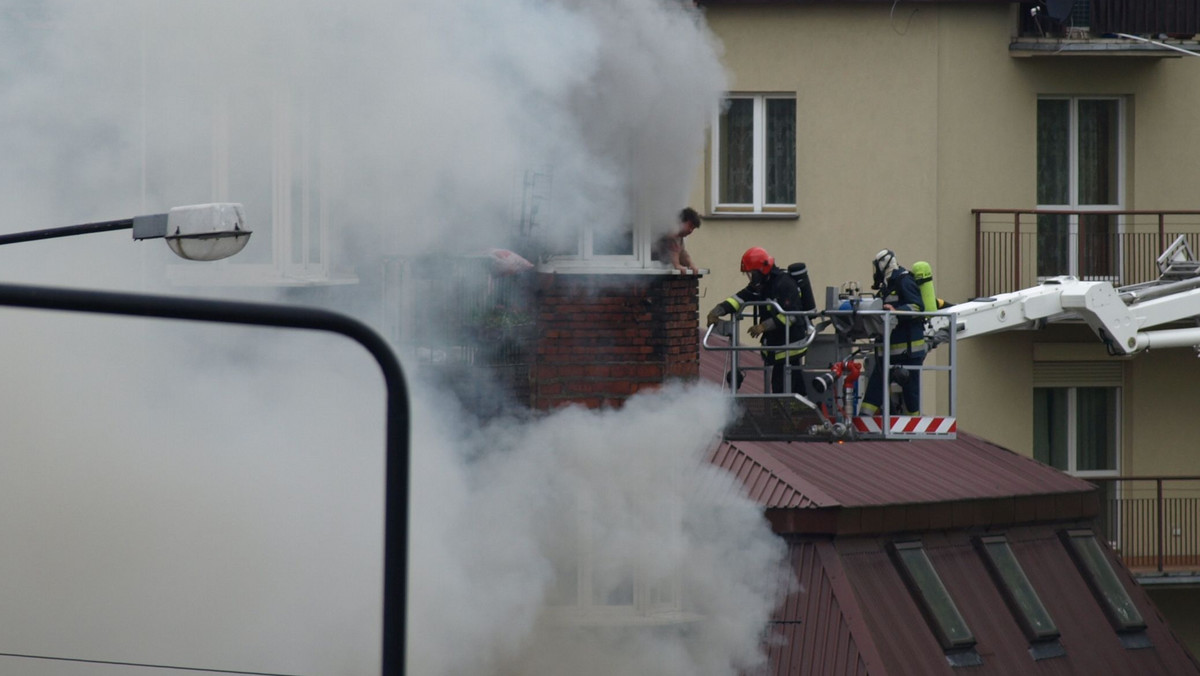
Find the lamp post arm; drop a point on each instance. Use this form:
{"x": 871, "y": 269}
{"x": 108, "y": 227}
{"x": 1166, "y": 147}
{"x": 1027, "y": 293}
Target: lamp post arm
{"x": 296, "y": 317}
{"x": 66, "y": 231}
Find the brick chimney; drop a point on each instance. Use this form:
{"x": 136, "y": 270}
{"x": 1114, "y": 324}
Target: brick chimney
{"x": 602, "y": 337}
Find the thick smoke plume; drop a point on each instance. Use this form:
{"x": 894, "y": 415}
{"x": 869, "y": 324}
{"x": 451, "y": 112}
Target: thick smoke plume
{"x": 633, "y": 488}
{"x": 212, "y": 497}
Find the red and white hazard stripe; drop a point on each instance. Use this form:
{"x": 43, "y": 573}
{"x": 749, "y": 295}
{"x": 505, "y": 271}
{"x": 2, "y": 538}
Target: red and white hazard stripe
{"x": 907, "y": 424}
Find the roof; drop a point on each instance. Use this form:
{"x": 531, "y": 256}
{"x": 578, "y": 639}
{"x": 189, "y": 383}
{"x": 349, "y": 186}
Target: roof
{"x": 852, "y": 614}
{"x": 810, "y": 474}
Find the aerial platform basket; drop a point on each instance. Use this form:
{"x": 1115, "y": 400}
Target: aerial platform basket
{"x": 830, "y": 411}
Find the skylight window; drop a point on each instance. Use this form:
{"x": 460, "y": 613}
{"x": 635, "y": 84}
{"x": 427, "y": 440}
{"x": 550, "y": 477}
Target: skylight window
{"x": 1020, "y": 596}
{"x": 1104, "y": 583}
{"x": 936, "y": 605}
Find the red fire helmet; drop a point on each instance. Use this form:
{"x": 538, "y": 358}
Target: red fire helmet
{"x": 756, "y": 259}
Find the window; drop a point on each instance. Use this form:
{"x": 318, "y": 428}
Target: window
{"x": 1075, "y": 428}
{"x": 1077, "y": 415}
{"x": 1106, "y": 586}
{"x": 1080, "y": 163}
{"x": 754, "y": 154}
{"x": 1020, "y": 596}
{"x": 935, "y": 603}
{"x": 621, "y": 242}
{"x": 595, "y": 583}
{"x": 269, "y": 153}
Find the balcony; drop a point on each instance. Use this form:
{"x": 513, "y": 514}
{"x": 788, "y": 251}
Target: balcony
{"x": 1154, "y": 28}
{"x": 1153, "y": 524}
{"x": 1018, "y": 248}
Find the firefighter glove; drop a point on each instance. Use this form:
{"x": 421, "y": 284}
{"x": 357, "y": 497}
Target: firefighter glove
{"x": 714, "y": 315}
{"x": 759, "y": 329}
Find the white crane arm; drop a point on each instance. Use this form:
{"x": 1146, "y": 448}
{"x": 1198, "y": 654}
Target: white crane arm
{"x": 1121, "y": 321}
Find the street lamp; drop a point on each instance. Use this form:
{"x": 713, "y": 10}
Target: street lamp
{"x": 209, "y": 232}
{"x": 200, "y": 232}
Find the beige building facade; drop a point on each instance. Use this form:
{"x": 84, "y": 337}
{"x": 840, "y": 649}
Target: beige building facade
{"x": 910, "y": 116}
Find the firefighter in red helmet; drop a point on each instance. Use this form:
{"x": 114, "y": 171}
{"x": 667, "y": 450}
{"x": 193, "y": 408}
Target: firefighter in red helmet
{"x": 777, "y": 330}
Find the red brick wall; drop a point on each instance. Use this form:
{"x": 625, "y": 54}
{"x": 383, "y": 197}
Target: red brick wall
{"x": 601, "y": 338}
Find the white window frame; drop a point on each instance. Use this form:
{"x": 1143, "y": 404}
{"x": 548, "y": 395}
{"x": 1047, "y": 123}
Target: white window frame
{"x": 585, "y": 260}
{"x": 1073, "y": 176}
{"x": 652, "y": 603}
{"x": 537, "y": 210}
{"x": 1072, "y": 427}
{"x": 1071, "y": 375}
{"x": 297, "y": 146}
{"x": 759, "y": 163}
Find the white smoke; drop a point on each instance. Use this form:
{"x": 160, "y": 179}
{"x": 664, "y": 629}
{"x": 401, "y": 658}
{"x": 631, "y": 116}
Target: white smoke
{"x": 212, "y": 497}
{"x": 636, "y": 481}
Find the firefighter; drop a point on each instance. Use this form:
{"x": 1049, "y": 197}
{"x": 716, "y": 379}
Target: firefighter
{"x": 906, "y": 347}
{"x": 768, "y": 282}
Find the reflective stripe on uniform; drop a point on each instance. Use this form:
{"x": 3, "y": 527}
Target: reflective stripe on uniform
{"x": 903, "y": 348}
{"x": 734, "y": 302}
{"x": 780, "y": 354}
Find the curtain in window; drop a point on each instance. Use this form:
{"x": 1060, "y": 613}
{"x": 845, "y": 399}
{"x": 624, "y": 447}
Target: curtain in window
{"x": 1098, "y": 145}
{"x": 737, "y": 153}
{"x": 781, "y": 151}
{"x": 1050, "y": 417}
{"x": 1053, "y": 185}
{"x": 1095, "y": 433}
{"x": 1054, "y": 152}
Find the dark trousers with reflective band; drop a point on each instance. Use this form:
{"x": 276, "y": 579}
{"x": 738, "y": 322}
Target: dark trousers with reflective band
{"x": 873, "y": 399}
{"x": 777, "y": 370}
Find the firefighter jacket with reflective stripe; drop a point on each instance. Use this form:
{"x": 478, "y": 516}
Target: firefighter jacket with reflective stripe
{"x": 780, "y": 287}
{"x": 902, "y": 293}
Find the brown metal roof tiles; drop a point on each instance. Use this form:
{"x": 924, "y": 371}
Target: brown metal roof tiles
{"x": 907, "y": 645}
{"x": 877, "y": 473}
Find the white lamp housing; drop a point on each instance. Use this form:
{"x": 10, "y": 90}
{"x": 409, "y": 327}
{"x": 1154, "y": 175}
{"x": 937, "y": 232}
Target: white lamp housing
{"x": 206, "y": 232}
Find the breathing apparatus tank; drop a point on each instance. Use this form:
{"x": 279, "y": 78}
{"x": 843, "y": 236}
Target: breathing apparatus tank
{"x": 799, "y": 272}
{"x": 922, "y": 273}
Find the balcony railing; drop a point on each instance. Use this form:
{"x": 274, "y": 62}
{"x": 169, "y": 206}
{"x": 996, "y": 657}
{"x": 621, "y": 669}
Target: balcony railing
{"x": 1153, "y": 523}
{"x": 1098, "y": 18}
{"x": 1018, "y": 248}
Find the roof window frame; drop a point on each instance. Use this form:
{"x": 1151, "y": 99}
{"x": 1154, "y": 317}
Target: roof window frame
{"x": 937, "y": 606}
{"x": 1102, "y": 580}
{"x": 1020, "y": 596}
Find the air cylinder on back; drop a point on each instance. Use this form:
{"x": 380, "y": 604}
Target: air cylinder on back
{"x": 922, "y": 273}
{"x": 799, "y": 272}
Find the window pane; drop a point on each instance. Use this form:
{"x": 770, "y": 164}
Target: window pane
{"x": 1018, "y": 592}
{"x": 251, "y": 164}
{"x": 609, "y": 243}
{"x": 781, "y": 151}
{"x": 927, "y": 588}
{"x": 612, "y": 586}
{"x": 1053, "y": 151}
{"x": 1096, "y": 428}
{"x": 1053, "y": 245}
{"x": 1097, "y": 246}
{"x": 1103, "y": 581}
{"x": 1050, "y": 426}
{"x": 1098, "y": 149}
{"x": 736, "y": 139}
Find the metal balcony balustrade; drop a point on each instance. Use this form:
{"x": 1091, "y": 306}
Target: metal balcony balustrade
{"x": 1018, "y": 248}
{"x": 1178, "y": 20}
{"x": 1153, "y": 524}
